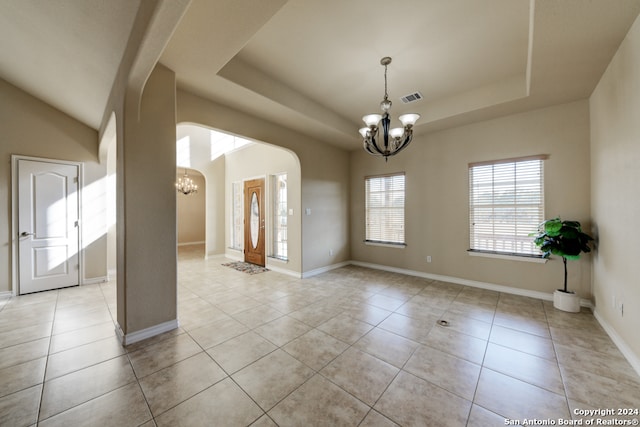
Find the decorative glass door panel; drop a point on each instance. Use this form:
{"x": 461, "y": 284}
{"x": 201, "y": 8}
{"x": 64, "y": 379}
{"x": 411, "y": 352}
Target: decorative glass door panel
{"x": 254, "y": 221}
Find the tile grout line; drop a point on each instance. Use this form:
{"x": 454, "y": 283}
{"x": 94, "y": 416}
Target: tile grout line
{"x": 46, "y": 365}
{"x": 137, "y": 381}
{"x": 482, "y": 367}
{"x": 229, "y": 376}
{"x": 564, "y": 382}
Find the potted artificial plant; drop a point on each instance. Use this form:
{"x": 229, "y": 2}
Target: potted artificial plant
{"x": 565, "y": 239}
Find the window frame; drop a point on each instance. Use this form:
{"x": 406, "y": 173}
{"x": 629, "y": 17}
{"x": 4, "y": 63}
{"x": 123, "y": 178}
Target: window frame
{"x": 279, "y": 215}
{"x": 237, "y": 216}
{"x": 387, "y": 194}
{"x": 522, "y": 188}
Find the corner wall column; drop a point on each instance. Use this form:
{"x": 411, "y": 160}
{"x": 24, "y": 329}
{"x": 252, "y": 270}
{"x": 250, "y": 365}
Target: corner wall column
{"x": 146, "y": 212}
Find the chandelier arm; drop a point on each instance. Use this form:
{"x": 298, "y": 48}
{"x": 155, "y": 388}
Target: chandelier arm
{"x": 374, "y": 145}
{"x": 407, "y": 140}
{"x": 371, "y": 145}
{"x": 369, "y": 149}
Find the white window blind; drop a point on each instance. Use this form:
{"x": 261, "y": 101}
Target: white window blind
{"x": 384, "y": 209}
{"x": 506, "y": 203}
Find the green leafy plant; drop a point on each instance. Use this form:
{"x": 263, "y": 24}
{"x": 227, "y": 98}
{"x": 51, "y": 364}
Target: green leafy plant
{"x": 563, "y": 238}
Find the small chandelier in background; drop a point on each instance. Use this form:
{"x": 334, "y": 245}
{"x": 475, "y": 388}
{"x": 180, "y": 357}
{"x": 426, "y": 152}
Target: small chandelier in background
{"x": 185, "y": 185}
{"x": 394, "y": 140}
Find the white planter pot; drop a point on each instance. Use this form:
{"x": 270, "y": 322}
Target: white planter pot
{"x": 566, "y": 301}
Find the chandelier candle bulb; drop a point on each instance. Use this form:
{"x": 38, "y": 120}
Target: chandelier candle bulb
{"x": 400, "y": 137}
{"x": 396, "y": 132}
{"x": 372, "y": 119}
{"x": 409, "y": 119}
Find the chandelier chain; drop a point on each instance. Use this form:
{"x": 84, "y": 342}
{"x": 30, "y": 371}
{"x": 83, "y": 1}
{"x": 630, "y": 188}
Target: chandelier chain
{"x": 386, "y": 95}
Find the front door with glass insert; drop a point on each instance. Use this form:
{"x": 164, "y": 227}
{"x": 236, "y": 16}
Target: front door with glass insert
{"x": 254, "y": 222}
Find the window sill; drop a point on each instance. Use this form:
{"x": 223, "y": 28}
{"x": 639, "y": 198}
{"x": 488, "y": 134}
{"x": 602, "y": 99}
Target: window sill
{"x": 514, "y": 257}
{"x": 279, "y": 259}
{"x": 386, "y": 245}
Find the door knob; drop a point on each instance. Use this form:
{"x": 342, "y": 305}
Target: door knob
{"x": 25, "y": 234}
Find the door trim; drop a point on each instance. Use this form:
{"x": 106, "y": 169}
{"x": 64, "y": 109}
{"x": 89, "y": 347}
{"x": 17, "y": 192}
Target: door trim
{"x": 15, "y": 277}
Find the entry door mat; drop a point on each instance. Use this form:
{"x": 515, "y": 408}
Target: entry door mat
{"x": 246, "y": 267}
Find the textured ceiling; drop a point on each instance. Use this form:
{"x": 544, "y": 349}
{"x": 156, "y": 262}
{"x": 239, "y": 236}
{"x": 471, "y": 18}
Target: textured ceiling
{"x": 65, "y": 52}
{"x": 314, "y": 66}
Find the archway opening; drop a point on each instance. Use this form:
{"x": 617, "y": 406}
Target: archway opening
{"x": 226, "y": 161}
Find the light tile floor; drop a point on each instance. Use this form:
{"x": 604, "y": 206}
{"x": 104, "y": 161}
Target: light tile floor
{"x": 352, "y": 347}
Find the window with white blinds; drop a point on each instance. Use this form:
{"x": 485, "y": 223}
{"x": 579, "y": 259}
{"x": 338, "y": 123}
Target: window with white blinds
{"x": 506, "y": 203}
{"x": 384, "y": 209}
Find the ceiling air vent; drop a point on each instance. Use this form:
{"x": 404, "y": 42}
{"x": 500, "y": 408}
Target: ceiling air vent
{"x": 412, "y": 97}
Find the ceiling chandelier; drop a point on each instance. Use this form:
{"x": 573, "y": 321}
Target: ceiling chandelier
{"x": 185, "y": 185}
{"x": 394, "y": 140}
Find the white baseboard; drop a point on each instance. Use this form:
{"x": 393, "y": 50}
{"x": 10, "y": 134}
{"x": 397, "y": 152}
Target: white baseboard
{"x": 234, "y": 256}
{"x": 191, "y": 243}
{"x": 216, "y": 256}
{"x": 311, "y": 273}
{"x": 213, "y": 255}
{"x": 95, "y": 280}
{"x": 143, "y": 334}
{"x": 6, "y": 294}
{"x": 466, "y": 282}
{"x": 284, "y": 271}
{"x": 632, "y": 358}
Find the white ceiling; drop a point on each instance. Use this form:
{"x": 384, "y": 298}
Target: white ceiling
{"x": 313, "y": 66}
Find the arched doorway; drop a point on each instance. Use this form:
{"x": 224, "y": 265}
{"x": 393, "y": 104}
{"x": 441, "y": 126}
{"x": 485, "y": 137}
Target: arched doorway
{"x": 226, "y": 162}
{"x": 191, "y": 213}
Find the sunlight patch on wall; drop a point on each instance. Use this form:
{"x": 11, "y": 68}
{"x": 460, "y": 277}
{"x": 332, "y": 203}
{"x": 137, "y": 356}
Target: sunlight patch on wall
{"x": 95, "y": 212}
{"x": 183, "y": 152}
{"x": 223, "y": 143}
{"x": 111, "y": 200}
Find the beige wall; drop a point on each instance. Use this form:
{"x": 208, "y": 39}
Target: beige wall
{"x": 30, "y": 127}
{"x": 111, "y": 158}
{"x": 191, "y": 210}
{"x": 261, "y": 161}
{"x": 324, "y": 177}
{"x": 325, "y": 192}
{"x": 214, "y": 171}
{"x": 437, "y": 223}
{"x": 615, "y": 173}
